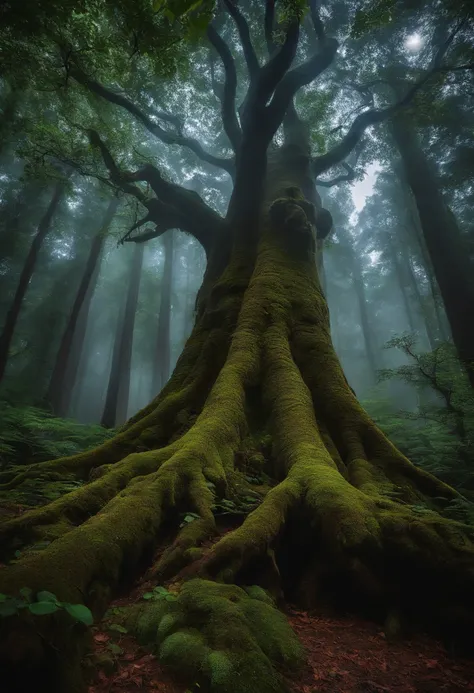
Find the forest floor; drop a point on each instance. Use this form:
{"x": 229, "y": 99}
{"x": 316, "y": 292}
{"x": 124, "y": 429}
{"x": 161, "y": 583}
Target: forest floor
{"x": 343, "y": 654}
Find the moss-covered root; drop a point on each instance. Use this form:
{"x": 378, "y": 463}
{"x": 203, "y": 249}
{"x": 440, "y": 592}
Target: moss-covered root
{"x": 227, "y": 639}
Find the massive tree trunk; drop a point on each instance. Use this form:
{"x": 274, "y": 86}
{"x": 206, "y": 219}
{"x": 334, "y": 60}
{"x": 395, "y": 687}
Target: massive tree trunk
{"x": 116, "y": 402}
{"x": 443, "y": 240}
{"x": 161, "y": 364}
{"x": 25, "y": 277}
{"x": 58, "y": 395}
{"x": 258, "y": 388}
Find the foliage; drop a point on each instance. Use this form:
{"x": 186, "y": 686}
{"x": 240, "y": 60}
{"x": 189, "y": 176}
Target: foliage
{"x": 44, "y": 604}
{"x": 29, "y": 434}
{"x": 439, "y": 434}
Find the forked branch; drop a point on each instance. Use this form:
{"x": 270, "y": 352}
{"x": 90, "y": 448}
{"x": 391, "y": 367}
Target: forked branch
{"x": 227, "y": 97}
{"x": 152, "y": 127}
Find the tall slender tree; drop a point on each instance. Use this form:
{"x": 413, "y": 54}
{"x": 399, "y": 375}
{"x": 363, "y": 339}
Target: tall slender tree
{"x": 59, "y": 390}
{"x": 116, "y": 402}
{"x": 28, "y": 268}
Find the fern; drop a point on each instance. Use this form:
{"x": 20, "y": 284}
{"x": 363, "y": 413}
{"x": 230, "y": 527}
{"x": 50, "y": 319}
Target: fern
{"x": 30, "y": 434}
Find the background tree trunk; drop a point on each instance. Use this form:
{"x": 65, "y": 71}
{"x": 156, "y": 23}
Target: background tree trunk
{"x": 116, "y": 403}
{"x": 443, "y": 241}
{"x": 59, "y": 391}
{"x": 26, "y": 274}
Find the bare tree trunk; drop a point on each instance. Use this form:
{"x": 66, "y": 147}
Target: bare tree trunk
{"x": 443, "y": 240}
{"x": 26, "y": 274}
{"x": 59, "y": 391}
{"x": 161, "y": 363}
{"x": 116, "y": 403}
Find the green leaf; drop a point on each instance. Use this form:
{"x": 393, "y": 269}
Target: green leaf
{"x": 17, "y": 553}
{"x": 46, "y": 596}
{"x": 148, "y": 595}
{"x": 80, "y": 613}
{"x": 160, "y": 589}
{"x": 115, "y": 649}
{"x": 170, "y": 597}
{"x": 8, "y": 608}
{"x": 42, "y": 608}
{"x": 117, "y": 627}
{"x": 3, "y": 598}
{"x": 26, "y": 593}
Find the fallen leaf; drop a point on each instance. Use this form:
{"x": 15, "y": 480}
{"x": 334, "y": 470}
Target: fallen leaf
{"x": 431, "y": 663}
{"x": 101, "y": 637}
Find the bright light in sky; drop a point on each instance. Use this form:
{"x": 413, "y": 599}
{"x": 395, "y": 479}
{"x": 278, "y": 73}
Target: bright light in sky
{"x": 414, "y": 42}
{"x": 363, "y": 188}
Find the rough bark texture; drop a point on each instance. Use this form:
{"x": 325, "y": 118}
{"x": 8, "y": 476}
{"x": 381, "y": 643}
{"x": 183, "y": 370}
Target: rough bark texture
{"x": 59, "y": 390}
{"x": 25, "y": 276}
{"x": 257, "y": 387}
{"x": 443, "y": 241}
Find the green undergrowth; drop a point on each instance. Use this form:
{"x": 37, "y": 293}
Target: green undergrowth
{"x": 29, "y": 435}
{"x": 226, "y": 638}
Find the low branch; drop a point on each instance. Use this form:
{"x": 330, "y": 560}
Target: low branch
{"x": 153, "y": 128}
{"x": 185, "y": 209}
{"x": 244, "y": 33}
{"x": 343, "y": 178}
{"x": 118, "y": 177}
{"x": 229, "y": 115}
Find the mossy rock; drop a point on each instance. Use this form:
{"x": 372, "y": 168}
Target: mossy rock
{"x": 225, "y": 636}
{"x": 185, "y": 651}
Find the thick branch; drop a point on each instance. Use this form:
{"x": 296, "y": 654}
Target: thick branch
{"x": 269, "y": 21}
{"x": 229, "y": 115}
{"x": 179, "y": 208}
{"x": 343, "y": 178}
{"x": 298, "y": 77}
{"x": 244, "y": 34}
{"x": 154, "y": 128}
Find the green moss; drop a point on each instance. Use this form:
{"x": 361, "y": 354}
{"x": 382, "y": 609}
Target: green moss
{"x": 219, "y": 633}
{"x": 256, "y": 592}
{"x": 185, "y": 651}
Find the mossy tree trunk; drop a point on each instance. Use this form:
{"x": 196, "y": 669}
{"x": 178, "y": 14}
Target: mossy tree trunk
{"x": 257, "y": 387}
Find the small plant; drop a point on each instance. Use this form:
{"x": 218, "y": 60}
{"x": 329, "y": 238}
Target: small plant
{"x": 45, "y": 603}
{"x": 158, "y": 594}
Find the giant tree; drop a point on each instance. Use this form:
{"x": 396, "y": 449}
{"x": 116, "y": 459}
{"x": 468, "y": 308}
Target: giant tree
{"x": 258, "y": 388}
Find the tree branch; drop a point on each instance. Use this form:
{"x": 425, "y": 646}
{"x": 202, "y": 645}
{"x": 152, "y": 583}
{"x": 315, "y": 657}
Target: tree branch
{"x": 229, "y": 115}
{"x": 182, "y": 208}
{"x": 343, "y": 178}
{"x": 117, "y": 176}
{"x": 316, "y": 19}
{"x": 243, "y": 28}
{"x": 268, "y": 24}
{"x": 153, "y": 128}
{"x": 372, "y": 117}
{"x": 298, "y": 77}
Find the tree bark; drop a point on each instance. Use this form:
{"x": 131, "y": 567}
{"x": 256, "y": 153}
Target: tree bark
{"x": 26, "y": 274}
{"x": 258, "y": 383}
{"x": 116, "y": 403}
{"x": 443, "y": 241}
{"x": 161, "y": 364}
{"x": 59, "y": 391}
